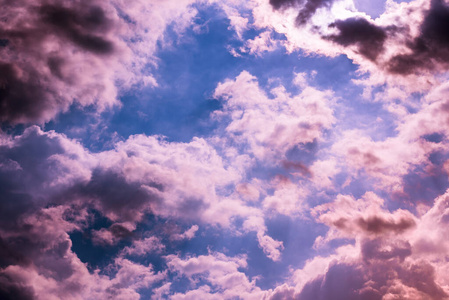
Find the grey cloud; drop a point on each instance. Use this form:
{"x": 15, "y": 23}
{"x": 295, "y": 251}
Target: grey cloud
{"x": 368, "y": 37}
{"x": 430, "y": 48}
{"x": 78, "y": 24}
{"x": 34, "y": 79}
{"x": 109, "y": 192}
{"x": 307, "y": 7}
{"x": 378, "y": 225}
{"x": 11, "y": 290}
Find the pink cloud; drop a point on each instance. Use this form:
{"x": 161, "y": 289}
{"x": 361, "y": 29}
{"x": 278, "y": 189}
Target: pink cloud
{"x": 271, "y": 247}
{"x": 400, "y": 256}
{"x": 365, "y": 217}
{"x": 222, "y": 273}
{"x": 396, "y": 49}
{"x": 187, "y": 235}
{"x": 268, "y": 127}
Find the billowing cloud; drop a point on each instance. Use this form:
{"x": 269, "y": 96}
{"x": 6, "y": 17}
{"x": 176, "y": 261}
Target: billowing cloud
{"x": 269, "y": 127}
{"x": 221, "y": 274}
{"x": 364, "y": 217}
{"x": 392, "y": 258}
{"x": 58, "y": 53}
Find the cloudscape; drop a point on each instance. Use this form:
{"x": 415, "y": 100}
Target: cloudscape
{"x": 236, "y": 149}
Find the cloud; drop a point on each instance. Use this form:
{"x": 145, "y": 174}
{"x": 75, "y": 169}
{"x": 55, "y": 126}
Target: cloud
{"x": 187, "y": 235}
{"x": 112, "y": 235}
{"x": 368, "y": 37}
{"x": 221, "y": 275}
{"x": 307, "y": 10}
{"x": 387, "y": 161}
{"x": 288, "y": 198}
{"x": 400, "y": 259}
{"x": 270, "y": 126}
{"x": 10, "y": 289}
{"x": 144, "y": 246}
{"x": 427, "y": 51}
{"x": 53, "y": 270}
{"x": 364, "y": 217}
{"x": 40, "y": 165}
{"x": 146, "y": 175}
{"x": 271, "y": 247}
{"x": 415, "y": 281}
{"x": 403, "y": 44}
{"x": 58, "y": 53}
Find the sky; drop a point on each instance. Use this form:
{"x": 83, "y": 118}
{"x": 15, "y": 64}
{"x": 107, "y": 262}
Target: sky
{"x": 233, "y": 149}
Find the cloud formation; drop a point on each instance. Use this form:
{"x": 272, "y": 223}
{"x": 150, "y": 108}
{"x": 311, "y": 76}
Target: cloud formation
{"x": 59, "y": 53}
{"x": 289, "y": 191}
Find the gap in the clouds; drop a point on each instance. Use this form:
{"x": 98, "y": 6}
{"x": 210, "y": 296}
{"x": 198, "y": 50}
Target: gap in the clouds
{"x": 12, "y": 130}
{"x": 434, "y": 138}
{"x": 373, "y": 8}
{"x": 424, "y": 183}
{"x": 99, "y": 256}
{"x": 298, "y": 235}
{"x": 304, "y": 153}
{"x": 96, "y": 256}
{"x": 369, "y": 115}
{"x": 187, "y": 74}
{"x": 86, "y": 125}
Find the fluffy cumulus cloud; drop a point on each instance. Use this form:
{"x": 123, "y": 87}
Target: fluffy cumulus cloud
{"x": 221, "y": 273}
{"x": 270, "y": 126}
{"x": 144, "y": 174}
{"x": 305, "y": 159}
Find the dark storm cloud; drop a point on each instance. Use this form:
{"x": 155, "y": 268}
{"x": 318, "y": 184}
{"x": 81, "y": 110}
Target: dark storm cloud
{"x": 277, "y": 4}
{"x": 38, "y": 209}
{"x": 307, "y": 10}
{"x": 10, "y": 254}
{"x": 368, "y": 37}
{"x": 28, "y": 178}
{"x": 22, "y": 98}
{"x": 431, "y": 47}
{"x": 120, "y": 231}
{"x": 37, "y": 42}
{"x": 78, "y": 24}
{"x": 11, "y": 290}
